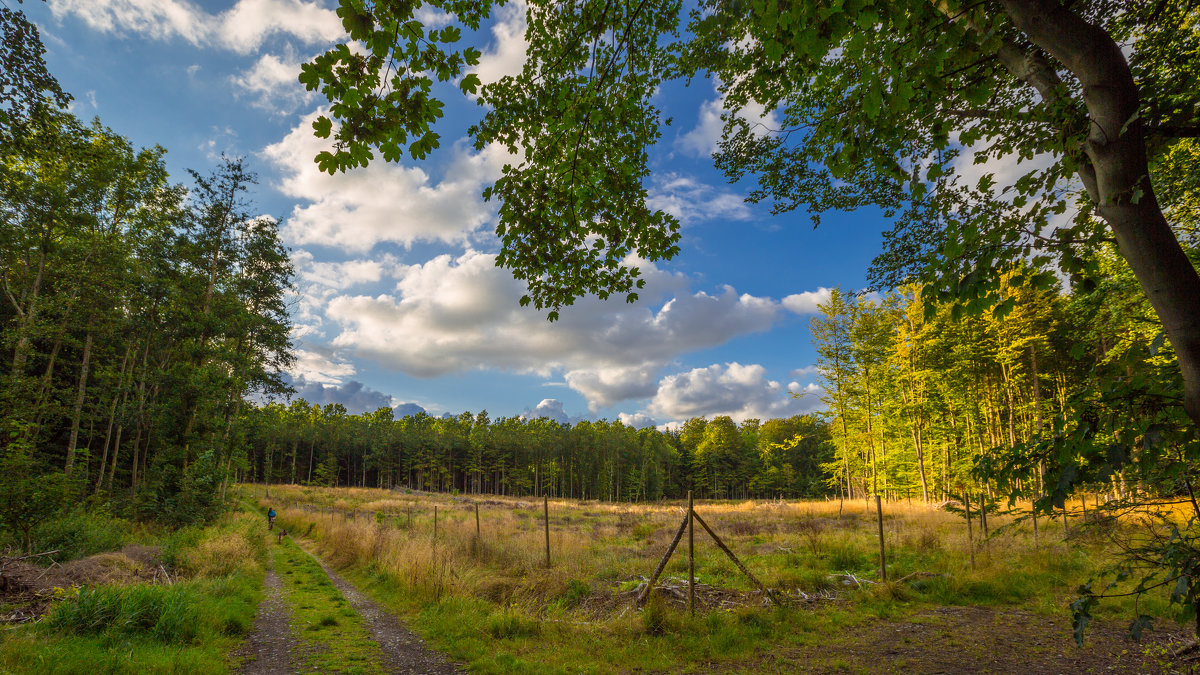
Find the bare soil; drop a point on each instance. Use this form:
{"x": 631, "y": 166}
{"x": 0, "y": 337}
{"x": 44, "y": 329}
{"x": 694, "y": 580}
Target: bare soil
{"x": 986, "y": 640}
{"x": 268, "y": 651}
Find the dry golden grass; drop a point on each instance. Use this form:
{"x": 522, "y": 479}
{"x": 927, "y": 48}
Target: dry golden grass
{"x": 227, "y": 548}
{"x": 787, "y": 544}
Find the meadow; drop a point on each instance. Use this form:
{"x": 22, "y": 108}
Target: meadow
{"x": 476, "y": 583}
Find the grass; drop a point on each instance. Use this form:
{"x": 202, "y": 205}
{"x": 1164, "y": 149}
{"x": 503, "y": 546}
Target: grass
{"x": 491, "y": 601}
{"x": 332, "y": 636}
{"x": 186, "y": 627}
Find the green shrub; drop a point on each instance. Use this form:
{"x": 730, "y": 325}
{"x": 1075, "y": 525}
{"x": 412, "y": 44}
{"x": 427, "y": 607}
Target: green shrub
{"x": 577, "y": 591}
{"x": 79, "y": 533}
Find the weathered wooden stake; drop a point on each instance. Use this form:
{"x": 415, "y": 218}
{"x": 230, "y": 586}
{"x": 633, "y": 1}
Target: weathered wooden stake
{"x": 721, "y": 545}
{"x": 477, "y": 532}
{"x": 663, "y": 562}
{"x": 691, "y": 559}
{"x": 970, "y": 535}
{"x": 983, "y": 517}
{"x": 882, "y": 555}
{"x": 1033, "y": 511}
{"x": 435, "y": 523}
{"x": 546, "y": 515}
{"x": 1083, "y": 503}
{"x": 1066, "y": 529}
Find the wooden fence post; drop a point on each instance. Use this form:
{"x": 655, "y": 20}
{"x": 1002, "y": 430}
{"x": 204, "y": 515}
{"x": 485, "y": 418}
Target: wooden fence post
{"x": 1037, "y": 543}
{"x": 691, "y": 559}
{"x": 477, "y": 531}
{"x": 983, "y": 518}
{"x": 882, "y": 555}
{"x": 546, "y": 515}
{"x": 970, "y": 536}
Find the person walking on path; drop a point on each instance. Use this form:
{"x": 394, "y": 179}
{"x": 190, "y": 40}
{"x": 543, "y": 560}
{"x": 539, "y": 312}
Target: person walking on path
{"x": 270, "y": 517}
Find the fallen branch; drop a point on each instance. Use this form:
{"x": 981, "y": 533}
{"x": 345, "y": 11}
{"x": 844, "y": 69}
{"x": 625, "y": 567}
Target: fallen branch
{"x": 1185, "y": 648}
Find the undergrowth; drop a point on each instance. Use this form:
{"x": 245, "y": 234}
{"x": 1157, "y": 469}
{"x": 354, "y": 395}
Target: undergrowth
{"x": 185, "y": 627}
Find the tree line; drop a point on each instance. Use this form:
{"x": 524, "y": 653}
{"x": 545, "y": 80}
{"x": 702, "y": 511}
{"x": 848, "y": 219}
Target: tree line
{"x": 472, "y": 453}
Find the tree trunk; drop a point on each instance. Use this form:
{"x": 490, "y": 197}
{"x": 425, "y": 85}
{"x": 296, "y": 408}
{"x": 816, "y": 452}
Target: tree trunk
{"x": 79, "y": 396}
{"x": 1117, "y": 175}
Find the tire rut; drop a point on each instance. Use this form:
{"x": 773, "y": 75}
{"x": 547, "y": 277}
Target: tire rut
{"x": 405, "y": 653}
{"x": 268, "y": 649}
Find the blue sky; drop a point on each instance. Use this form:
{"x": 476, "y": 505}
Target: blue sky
{"x": 397, "y": 299}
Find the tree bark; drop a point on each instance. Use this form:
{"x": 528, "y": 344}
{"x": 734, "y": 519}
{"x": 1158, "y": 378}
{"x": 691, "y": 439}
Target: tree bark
{"x": 1117, "y": 175}
{"x": 79, "y": 396}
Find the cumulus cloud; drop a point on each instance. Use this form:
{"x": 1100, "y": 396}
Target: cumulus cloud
{"x": 355, "y": 210}
{"x": 241, "y": 28}
{"x": 406, "y": 409}
{"x": 636, "y": 420}
{"x": 739, "y": 391}
{"x": 603, "y": 387}
{"x": 806, "y": 302}
{"x": 353, "y": 395}
{"x": 454, "y": 314}
{"x": 271, "y": 83}
{"x": 690, "y": 200}
{"x": 549, "y": 408}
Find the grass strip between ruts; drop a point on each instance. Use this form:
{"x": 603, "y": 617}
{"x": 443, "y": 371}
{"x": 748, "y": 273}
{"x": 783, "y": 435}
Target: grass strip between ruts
{"x": 332, "y": 636}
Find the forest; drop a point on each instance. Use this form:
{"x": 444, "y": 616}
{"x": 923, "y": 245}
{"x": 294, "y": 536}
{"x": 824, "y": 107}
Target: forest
{"x": 1016, "y": 349}
{"x": 139, "y": 313}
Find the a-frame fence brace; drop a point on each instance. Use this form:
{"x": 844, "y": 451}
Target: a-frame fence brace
{"x": 683, "y": 526}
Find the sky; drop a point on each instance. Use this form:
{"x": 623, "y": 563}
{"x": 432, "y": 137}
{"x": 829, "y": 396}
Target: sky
{"x": 397, "y": 299}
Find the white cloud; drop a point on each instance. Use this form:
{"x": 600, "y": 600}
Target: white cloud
{"x": 806, "y": 372}
{"x": 320, "y": 368}
{"x": 271, "y": 83}
{"x": 241, "y": 28}
{"x": 549, "y": 407}
{"x": 383, "y": 202}
{"x": 506, "y": 54}
{"x": 457, "y": 314}
{"x": 806, "y": 302}
{"x": 603, "y": 387}
{"x": 741, "y": 392}
{"x": 689, "y": 200}
{"x": 636, "y": 420}
{"x": 702, "y": 140}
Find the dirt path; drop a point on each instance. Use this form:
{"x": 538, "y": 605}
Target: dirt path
{"x": 405, "y": 653}
{"x": 268, "y": 649}
{"x": 984, "y": 640}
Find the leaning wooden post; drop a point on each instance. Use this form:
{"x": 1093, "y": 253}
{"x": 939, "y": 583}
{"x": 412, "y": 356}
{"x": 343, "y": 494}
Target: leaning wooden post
{"x": 970, "y": 536}
{"x": 721, "y": 545}
{"x": 691, "y": 559}
{"x": 477, "y": 532}
{"x": 683, "y": 525}
{"x": 882, "y": 554}
{"x": 546, "y": 517}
